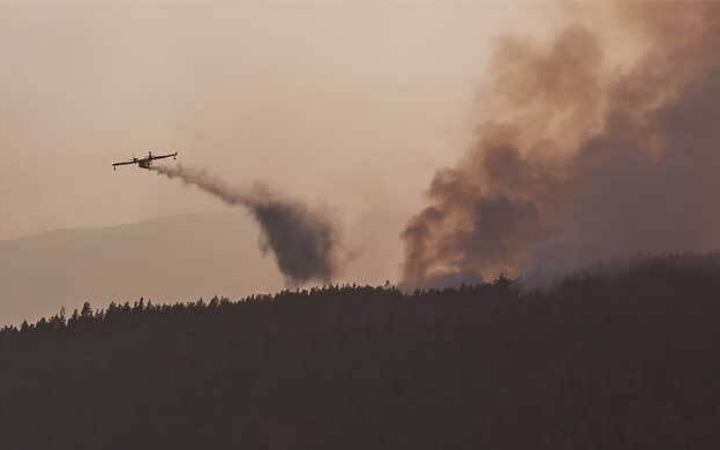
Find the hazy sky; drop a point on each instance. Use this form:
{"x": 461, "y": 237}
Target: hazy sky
{"x": 350, "y": 104}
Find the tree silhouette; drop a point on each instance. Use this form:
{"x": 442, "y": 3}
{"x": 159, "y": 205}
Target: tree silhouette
{"x": 607, "y": 359}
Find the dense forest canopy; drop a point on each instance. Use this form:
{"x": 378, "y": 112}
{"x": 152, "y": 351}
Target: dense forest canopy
{"x": 607, "y": 359}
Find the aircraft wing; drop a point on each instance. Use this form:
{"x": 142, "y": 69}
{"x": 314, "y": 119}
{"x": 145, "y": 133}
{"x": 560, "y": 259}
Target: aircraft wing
{"x": 124, "y": 163}
{"x": 171, "y": 155}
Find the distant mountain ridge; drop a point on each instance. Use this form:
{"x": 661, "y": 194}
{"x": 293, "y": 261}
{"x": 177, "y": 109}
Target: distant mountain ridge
{"x": 180, "y": 257}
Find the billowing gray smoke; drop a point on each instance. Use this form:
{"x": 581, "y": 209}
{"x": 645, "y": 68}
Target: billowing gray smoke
{"x": 581, "y": 157}
{"x": 303, "y": 241}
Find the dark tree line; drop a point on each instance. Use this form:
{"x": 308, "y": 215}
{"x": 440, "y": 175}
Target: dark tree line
{"x": 608, "y": 360}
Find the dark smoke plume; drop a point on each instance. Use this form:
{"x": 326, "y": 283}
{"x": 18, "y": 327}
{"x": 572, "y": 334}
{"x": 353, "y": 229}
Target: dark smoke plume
{"x": 303, "y": 241}
{"x": 580, "y": 158}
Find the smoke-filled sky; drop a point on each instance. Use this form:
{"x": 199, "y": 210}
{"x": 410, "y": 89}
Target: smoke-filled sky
{"x": 332, "y": 100}
{"x": 349, "y": 104}
{"x": 451, "y": 138}
{"x": 584, "y": 151}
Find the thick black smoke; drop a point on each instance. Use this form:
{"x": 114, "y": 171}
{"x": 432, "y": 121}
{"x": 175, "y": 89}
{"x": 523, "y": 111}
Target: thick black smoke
{"x": 303, "y": 241}
{"x": 580, "y": 158}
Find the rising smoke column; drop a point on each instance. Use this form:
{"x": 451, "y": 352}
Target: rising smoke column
{"x": 303, "y": 241}
{"x": 578, "y": 159}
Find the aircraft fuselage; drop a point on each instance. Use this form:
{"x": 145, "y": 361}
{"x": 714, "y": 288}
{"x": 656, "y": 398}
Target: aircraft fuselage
{"x": 144, "y": 163}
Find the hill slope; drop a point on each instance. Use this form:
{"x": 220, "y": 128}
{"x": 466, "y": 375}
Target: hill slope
{"x": 184, "y": 256}
{"x": 608, "y": 360}
{"x": 181, "y": 258}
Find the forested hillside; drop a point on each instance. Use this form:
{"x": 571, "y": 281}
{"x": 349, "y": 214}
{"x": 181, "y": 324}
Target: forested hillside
{"x": 603, "y": 361}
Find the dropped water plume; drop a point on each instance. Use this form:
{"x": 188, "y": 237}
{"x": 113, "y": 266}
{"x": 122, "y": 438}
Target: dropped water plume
{"x": 304, "y": 241}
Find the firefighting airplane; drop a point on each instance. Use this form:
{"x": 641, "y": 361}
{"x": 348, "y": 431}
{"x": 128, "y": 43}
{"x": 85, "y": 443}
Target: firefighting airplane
{"x": 144, "y": 162}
